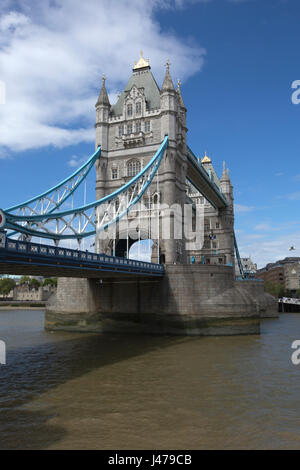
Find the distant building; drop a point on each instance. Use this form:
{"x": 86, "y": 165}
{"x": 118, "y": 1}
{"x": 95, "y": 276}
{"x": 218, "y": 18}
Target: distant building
{"x": 285, "y": 272}
{"x": 249, "y": 267}
{"x": 292, "y": 276}
{"x": 25, "y": 293}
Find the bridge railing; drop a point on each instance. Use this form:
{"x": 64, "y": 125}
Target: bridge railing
{"x": 86, "y": 257}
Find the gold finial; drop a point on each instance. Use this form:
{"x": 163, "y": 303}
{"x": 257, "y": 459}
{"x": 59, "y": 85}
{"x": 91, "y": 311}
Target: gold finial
{"x": 206, "y": 159}
{"x": 103, "y": 79}
{"x": 141, "y": 63}
{"x": 168, "y": 63}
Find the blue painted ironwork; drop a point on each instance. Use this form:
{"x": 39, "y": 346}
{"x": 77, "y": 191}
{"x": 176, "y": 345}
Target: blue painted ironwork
{"x": 81, "y": 223}
{"x": 21, "y": 253}
{"x": 240, "y": 265}
{"x": 48, "y": 199}
{"x": 53, "y": 198}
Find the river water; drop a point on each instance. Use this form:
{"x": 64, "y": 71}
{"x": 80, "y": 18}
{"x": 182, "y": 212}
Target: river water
{"x": 87, "y": 391}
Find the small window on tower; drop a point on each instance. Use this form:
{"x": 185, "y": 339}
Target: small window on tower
{"x": 138, "y": 127}
{"x": 129, "y": 128}
{"x": 114, "y": 173}
{"x": 121, "y": 131}
{"x": 129, "y": 110}
{"x": 147, "y": 126}
{"x": 138, "y": 108}
{"x": 217, "y": 225}
{"x": 133, "y": 168}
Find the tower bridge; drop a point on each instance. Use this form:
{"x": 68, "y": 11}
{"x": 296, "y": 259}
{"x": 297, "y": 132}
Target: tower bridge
{"x": 148, "y": 183}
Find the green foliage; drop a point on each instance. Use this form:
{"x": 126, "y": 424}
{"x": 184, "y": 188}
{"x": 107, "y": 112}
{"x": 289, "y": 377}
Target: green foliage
{"x": 278, "y": 290}
{"x": 24, "y": 280}
{"x": 50, "y": 281}
{"x": 34, "y": 283}
{"x": 6, "y": 285}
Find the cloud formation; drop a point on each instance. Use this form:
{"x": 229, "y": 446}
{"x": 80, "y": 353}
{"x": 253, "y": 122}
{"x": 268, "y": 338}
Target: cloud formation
{"x": 240, "y": 209}
{"x": 52, "y": 55}
{"x": 269, "y": 248}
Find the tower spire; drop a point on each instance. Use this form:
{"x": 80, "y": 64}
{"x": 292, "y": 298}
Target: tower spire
{"x": 103, "y": 96}
{"x": 181, "y": 102}
{"x": 225, "y": 175}
{"x": 167, "y": 83}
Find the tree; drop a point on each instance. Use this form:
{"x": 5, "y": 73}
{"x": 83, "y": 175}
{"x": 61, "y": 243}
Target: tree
{"x": 50, "y": 281}
{"x": 277, "y": 290}
{"x": 34, "y": 283}
{"x": 6, "y": 285}
{"x": 24, "y": 280}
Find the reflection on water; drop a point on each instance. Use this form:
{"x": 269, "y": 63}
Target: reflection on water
{"x": 87, "y": 391}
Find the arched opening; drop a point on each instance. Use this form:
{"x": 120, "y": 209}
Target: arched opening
{"x": 162, "y": 259}
{"x": 141, "y": 250}
{"x": 134, "y": 243}
{"x": 122, "y": 245}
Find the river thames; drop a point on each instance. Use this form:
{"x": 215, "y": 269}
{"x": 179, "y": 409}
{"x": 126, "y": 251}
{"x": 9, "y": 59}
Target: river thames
{"x": 87, "y": 391}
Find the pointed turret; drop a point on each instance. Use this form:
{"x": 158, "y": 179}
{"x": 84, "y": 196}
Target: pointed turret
{"x": 225, "y": 174}
{"x": 167, "y": 83}
{"x": 103, "y": 96}
{"x": 102, "y": 116}
{"x": 226, "y": 185}
{"x": 180, "y": 99}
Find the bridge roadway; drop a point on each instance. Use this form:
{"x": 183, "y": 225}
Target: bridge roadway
{"x": 26, "y": 258}
{"x": 200, "y": 179}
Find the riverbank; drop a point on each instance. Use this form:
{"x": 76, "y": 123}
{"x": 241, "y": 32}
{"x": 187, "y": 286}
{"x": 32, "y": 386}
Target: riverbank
{"x": 21, "y": 305}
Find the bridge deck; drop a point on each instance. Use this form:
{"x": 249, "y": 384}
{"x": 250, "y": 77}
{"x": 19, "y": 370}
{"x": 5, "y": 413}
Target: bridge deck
{"x": 24, "y": 258}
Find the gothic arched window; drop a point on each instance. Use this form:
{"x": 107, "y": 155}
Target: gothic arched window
{"x": 133, "y": 167}
{"x": 121, "y": 130}
{"x": 129, "y": 110}
{"x": 138, "y": 107}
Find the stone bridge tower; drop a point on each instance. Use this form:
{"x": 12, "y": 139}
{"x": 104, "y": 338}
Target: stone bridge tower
{"x": 130, "y": 132}
{"x": 198, "y": 294}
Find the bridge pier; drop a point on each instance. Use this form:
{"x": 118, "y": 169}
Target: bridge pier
{"x": 189, "y": 300}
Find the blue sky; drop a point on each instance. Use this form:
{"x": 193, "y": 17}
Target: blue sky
{"x": 236, "y": 60}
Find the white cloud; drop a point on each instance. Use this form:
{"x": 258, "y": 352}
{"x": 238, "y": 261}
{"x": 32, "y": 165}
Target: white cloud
{"x": 183, "y": 3}
{"x": 262, "y": 227}
{"x": 294, "y": 196}
{"x": 52, "y": 55}
{"x": 269, "y": 249}
{"x": 76, "y": 162}
{"x": 239, "y": 208}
